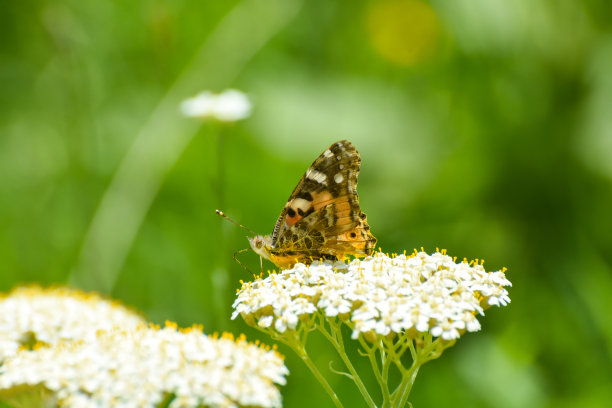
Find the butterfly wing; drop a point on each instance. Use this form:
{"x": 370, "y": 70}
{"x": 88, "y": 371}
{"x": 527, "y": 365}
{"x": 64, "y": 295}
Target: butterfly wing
{"x": 322, "y": 218}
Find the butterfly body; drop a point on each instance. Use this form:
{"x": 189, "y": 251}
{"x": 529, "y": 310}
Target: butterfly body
{"x": 322, "y": 218}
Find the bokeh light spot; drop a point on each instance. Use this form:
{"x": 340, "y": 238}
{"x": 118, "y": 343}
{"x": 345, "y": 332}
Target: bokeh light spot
{"x": 403, "y": 32}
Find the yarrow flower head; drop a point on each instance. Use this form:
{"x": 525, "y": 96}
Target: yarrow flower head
{"x": 394, "y": 305}
{"x": 380, "y": 295}
{"x": 149, "y": 366}
{"x": 33, "y": 315}
{"x": 228, "y": 106}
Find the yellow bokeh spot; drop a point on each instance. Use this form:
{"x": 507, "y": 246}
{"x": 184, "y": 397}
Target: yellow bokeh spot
{"x": 404, "y": 32}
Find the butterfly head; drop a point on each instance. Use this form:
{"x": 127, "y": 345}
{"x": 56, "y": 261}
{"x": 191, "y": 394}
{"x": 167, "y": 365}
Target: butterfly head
{"x": 261, "y": 245}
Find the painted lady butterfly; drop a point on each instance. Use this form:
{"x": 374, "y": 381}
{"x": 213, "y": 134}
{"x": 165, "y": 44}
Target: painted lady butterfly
{"x": 322, "y": 219}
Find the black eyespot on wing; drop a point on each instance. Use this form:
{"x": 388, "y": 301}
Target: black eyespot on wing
{"x": 291, "y": 212}
{"x": 305, "y": 195}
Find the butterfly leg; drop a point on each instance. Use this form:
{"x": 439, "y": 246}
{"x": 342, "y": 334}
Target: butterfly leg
{"x": 240, "y": 263}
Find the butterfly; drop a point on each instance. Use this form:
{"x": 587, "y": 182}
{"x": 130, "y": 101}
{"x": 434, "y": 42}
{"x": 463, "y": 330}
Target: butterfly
{"x": 322, "y": 218}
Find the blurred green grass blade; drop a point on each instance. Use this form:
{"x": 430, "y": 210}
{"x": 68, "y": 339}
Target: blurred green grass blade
{"x": 223, "y": 55}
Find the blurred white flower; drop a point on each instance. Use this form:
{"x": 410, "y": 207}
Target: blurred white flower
{"x": 141, "y": 367}
{"x": 421, "y": 293}
{"x": 33, "y": 315}
{"x": 228, "y": 106}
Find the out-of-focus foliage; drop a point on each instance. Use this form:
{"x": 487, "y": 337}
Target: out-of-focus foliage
{"x": 484, "y": 126}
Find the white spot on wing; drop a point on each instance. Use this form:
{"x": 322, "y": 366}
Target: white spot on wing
{"x": 300, "y": 203}
{"x": 338, "y": 178}
{"x": 317, "y": 176}
{"x": 328, "y": 153}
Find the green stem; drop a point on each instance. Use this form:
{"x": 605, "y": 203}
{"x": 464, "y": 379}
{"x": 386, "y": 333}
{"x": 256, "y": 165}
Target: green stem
{"x": 297, "y": 342}
{"x": 413, "y": 353}
{"x": 407, "y": 383}
{"x": 385, "y": 375}
{"x": 219, "y": 275}
{"x": 402, "y": 392}
{"x": 220, "y": 187}
{"x": 384, "y": 386}
{"x": 430, "y": 350}
{"x": 313, "y": 368}
{"x": 338, "y": 343}
{"x": 403, "y": 345}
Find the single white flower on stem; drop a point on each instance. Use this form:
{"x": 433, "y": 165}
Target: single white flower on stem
{"x": 228, "y": 106}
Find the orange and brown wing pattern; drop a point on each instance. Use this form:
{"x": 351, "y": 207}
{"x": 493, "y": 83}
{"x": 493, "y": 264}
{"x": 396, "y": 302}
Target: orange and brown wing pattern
{"x": 322, "y": 218}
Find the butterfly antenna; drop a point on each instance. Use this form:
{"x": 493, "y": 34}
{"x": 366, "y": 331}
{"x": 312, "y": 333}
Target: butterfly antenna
{"x": 240, "y": 263}
{"x": 222, "y": 214}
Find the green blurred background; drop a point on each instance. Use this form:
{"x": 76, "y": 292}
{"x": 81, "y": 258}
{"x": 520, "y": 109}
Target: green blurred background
{"x": 484, "y": 126}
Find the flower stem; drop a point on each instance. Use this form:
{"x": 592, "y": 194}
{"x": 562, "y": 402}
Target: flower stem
{"x": 220, "y": 162}
{"x": 335, "y": 338}
{"x": 297, "y": 342}
{"x": 407, "y": 383}
{"x": 313, "y": 368}
{"x": 382, "y": 382}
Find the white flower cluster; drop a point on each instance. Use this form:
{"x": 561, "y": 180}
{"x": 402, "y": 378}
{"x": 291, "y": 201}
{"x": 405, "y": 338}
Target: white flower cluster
{"x": 378, "y": 295}
{"x": 143, "y": 366}
{"x": 31, "y": 314}
{"x": 229, "y": 106}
